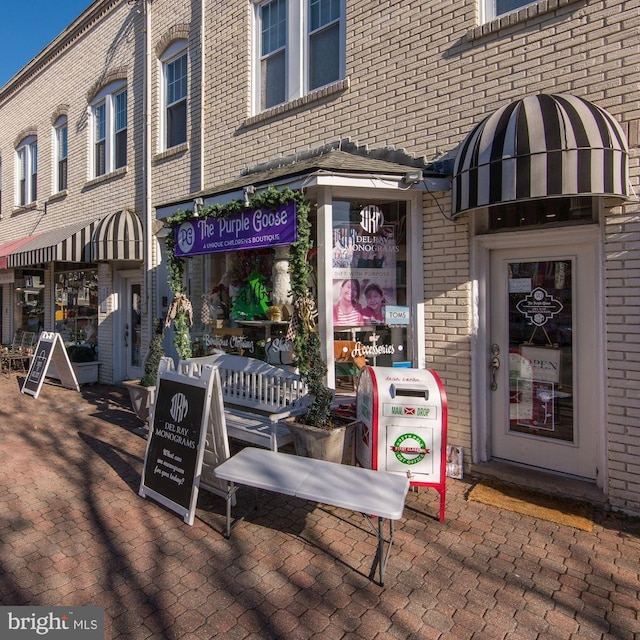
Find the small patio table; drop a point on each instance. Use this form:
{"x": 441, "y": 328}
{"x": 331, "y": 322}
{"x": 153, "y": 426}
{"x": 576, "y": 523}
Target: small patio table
{"x": 372, "y": 493}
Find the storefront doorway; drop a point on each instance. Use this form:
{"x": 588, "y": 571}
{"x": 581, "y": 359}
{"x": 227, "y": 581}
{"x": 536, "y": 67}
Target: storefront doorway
{"x": 128, "y": 352}
{"x": 544, "y": 382}
{"x": 132, "y": 329}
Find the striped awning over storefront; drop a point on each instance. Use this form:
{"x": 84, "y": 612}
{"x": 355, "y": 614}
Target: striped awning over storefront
{"x": 118, "y": 237}
{"x": 8, "y": 248}
{"x": 67, "y": 244}
{"x": 538, "y": 147}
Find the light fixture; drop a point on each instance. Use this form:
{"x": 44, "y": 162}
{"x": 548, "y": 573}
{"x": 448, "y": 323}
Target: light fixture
{"x": 197, "y": 204}
{"x": 248, "y": 191}
{"x": 413, "y": 176}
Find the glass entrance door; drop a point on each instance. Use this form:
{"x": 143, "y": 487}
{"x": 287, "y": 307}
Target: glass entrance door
{"x": 132, "y": 330}
{"x": 543, "y": 359}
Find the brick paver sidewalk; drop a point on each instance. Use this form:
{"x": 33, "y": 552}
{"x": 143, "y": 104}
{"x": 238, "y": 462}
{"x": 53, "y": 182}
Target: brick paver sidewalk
{"x": 75, "y": 532}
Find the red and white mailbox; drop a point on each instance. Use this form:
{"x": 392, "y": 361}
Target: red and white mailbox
{"x": 402, "y": 427}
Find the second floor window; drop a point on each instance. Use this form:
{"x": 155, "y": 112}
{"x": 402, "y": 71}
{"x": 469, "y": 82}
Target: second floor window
{"x": 61, "y": 142}
{"x": 492, "y": 9}
{"x": 175, "y": 96}
{"x": 299, "y": 46}
{"x": 27, "y": 159}
{"x": 109, "y": 112}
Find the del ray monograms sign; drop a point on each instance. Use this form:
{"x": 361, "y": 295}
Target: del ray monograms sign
{"x": 175, "y": 448}
{"x": 250, "y": 229}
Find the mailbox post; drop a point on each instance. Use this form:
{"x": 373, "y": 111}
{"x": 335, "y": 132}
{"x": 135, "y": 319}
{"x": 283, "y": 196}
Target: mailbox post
{"x": 402, "y": 427}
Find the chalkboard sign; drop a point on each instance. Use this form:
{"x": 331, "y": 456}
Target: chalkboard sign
{"x": 175, "y": 449}
{"x": 50, "y": 347}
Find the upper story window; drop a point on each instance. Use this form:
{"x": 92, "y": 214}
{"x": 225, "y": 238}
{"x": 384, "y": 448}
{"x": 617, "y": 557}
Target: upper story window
{"x": 109, "y": 113}
{"x": 175, "y": 83}
{"x": 27, "y": 171}
{"x": 61, "y": 131}
{"x": 298, "y": 47}
{"x": 492, "y": 9}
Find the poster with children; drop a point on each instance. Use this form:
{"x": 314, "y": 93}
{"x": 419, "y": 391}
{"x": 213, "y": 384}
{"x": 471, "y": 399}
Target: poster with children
{"x": 364, "y": 274}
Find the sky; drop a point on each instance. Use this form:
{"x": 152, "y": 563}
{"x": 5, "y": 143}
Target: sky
{"x": 26, "y": 28}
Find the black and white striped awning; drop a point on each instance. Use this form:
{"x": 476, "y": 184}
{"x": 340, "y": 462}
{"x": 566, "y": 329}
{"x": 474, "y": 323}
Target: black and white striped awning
{"x": 118, "y": 237}
{"x": 538, "y": 147}
{"x": 67, "y": 244}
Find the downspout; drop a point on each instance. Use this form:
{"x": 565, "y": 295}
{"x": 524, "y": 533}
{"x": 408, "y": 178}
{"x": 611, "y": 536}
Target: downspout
{"x": 148, "y": 208}
{"x": 202, "y": 88}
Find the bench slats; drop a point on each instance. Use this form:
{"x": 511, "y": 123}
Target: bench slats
{"x": 256, "y": 397}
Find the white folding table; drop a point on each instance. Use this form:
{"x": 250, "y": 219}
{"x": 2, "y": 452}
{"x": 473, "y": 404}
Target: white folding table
{"x": 372, "y": 493}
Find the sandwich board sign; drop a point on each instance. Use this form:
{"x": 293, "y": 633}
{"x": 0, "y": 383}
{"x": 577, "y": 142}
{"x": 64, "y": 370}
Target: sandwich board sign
{"x": 50, "y": 347}
{"x": 180, "y": 417}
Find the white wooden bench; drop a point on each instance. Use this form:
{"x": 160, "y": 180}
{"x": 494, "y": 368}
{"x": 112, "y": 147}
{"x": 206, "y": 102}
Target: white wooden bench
{"x": 372, "y": 493}
{"x": 257, "y": 396}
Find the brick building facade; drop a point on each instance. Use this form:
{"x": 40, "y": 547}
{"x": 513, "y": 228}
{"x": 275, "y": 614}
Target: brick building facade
{"x": 354, "y": 98}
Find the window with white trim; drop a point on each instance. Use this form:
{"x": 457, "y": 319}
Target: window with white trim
{"x": 492, "y": 9}
{"x": 298, "y": 47}
{"x": 109, "y": 130}
{"x": 175, "y": 90}
{"x": 61, "y": 131}
{"x": 27, "y": 171}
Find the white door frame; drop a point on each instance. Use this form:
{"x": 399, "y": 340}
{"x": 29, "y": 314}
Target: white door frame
{"x": 481, "y": 248}
{"x": 121, "y": 281}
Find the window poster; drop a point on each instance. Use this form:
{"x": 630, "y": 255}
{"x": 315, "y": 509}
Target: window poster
{"x": 364, "y": 274}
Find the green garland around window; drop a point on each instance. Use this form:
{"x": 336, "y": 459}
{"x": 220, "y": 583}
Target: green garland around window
{"x": 306, "y": 341}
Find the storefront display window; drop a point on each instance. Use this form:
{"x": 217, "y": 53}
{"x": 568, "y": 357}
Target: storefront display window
{"x": 241, "y": 298}
{"x": 76, "y": 307}
{"x": 30, "y": 299}
{"x": 231, "y": 294}
{"x": 370, "y": 304}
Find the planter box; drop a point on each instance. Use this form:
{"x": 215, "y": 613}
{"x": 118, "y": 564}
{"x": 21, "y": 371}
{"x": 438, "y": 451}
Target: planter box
{"x": 86, "y": 372}
{"x": 334, "y": 445}
{"x": 141, "y": 398}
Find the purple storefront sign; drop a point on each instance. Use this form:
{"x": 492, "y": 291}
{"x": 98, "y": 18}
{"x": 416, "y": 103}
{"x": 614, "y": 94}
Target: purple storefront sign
{"x": 251, "y": 229}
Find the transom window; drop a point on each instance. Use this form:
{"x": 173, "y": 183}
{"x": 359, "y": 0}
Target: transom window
{"x": 61, "y": 150}
{"x": 175, "y": 69}
{"x": 109, "y": 111}
{"x": 491, "y": 9}
{"x": 27, "y": 171}
{"x": 298, "y": 47}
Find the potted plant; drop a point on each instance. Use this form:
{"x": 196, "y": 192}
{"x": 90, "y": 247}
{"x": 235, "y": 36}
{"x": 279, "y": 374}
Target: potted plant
{"x": 317, "y": 433}
{"x": 142, "y": 392}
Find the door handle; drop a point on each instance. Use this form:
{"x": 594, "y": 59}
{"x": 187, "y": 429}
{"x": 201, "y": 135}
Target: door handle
{"x": 494, "y": 365}
{"x": 126, "y": 335}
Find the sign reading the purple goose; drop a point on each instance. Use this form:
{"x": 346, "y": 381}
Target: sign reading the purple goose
{"x": 250, "y": 229}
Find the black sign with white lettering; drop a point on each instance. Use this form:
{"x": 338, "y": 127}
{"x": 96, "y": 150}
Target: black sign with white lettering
{"x": 50, "y": 348}
{"x": 172, "y": 453}
{"x": 38, "y": 367}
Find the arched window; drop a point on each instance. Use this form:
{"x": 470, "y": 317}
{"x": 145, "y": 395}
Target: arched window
{"x": 61, "y": 131}
{"x": 27, "y": 171}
